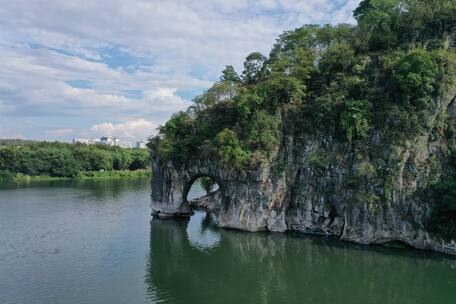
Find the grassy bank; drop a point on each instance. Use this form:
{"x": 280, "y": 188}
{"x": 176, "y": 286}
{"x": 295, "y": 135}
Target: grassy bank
{"x": 116, "y": 174}
{"x": 19, "y": 177}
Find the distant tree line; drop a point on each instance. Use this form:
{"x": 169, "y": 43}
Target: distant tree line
{"x": 66, "y": 160}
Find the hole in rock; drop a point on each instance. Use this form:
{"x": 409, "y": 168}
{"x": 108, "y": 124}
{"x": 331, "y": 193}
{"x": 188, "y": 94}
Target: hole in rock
{"x": 204, "y": 193}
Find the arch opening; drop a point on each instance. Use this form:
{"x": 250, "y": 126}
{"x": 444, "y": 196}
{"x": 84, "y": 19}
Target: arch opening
{"x": 203, "y": 192}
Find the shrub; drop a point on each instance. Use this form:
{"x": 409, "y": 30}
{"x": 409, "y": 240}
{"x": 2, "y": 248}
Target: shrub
{"x": 318, "y": 161}
{"x": 207, "y": 184}
{"x": 230, "y": 150}
{"x": 6, "y": 175}
{"x": 442, "y": 220}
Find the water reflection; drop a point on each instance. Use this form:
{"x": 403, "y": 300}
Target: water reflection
{"x": 199, "y": 233}
{"x": 74, "y": 241}
{"x": 93, "y": 242}
{"x": 96, "y": 187}
{"x": 244, "y": 267}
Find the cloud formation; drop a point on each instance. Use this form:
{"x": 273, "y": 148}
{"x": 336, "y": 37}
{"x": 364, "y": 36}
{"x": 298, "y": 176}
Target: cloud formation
{"x": 72, "y": 65}
{"x": 129, "y": 130}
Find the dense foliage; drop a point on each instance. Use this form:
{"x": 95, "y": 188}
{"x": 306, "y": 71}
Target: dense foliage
{"x": 329, "y": 79}
{"x": 443, "y": 215}
{"x": 208, "y": 184}
{"x": 66, "y": 160}
{"x": 381, "y": 78}
{"x": 442, "y": 192}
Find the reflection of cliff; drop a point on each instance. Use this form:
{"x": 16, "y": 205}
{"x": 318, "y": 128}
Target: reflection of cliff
{"x": 277, "y": 268}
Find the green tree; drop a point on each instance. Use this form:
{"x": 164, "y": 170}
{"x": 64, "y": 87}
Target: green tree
{"x": 121, "y": 160}
{"x": 207, "y": 184}
{"x": 8, "y": 159}
{"x": 230, "y": 150}
{"x": 230, "y": 80}
{"x": 138, "y": 160}
{"x": 67, "y": 160}
{"x": 261, "y": 132}
{"x": 378, "y": 23}
{"x": 415, "y": 77}
{"x": 442, "y": 220}
{"x": 254, "y": 68}
{"x": 348, "y": 80}
{"x": 246, "y": 102}
{"x": 355, "y": 119}
{"x": 229, "y": 74}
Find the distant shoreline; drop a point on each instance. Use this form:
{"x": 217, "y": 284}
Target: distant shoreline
{"x": 19, "y": 177}
{"x": 25, "y": 161}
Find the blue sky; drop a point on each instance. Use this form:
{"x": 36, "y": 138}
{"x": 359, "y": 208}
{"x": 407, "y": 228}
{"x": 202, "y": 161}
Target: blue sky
{"x": 111, "y": 67}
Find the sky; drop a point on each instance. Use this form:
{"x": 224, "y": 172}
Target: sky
{"x": 73, "y": 69}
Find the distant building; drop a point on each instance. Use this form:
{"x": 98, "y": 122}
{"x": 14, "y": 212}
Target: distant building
{"x": 125, "y": 144}
{"x": 81, "y": 141}
{"x": 105, "y": 140}
{"x": 109, "y": 141}
{"x": 141, "y": 144}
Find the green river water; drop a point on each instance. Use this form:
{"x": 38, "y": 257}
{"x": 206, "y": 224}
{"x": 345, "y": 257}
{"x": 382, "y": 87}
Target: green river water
{"x": 95, "y": 242}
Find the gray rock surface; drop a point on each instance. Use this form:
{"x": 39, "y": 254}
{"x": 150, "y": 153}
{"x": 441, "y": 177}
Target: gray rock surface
{"x": 356, "y": 196}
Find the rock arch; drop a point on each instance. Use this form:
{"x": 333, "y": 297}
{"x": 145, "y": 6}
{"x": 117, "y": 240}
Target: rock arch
{"x": 252, "y": 201}
{"x": 188, "y": 185}
{"x": 295, "y": 200}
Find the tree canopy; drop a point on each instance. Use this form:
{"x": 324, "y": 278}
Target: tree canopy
{"x": 67, "y": 160}
{"x": 328, "y": 79}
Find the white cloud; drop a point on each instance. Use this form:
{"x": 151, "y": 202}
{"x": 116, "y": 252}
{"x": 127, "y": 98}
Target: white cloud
{"x": 47, "y": 90}
{"x": 345, "y": 13}
{"x": 161, "y": 93}
{"x": 131, "y": 130}
{"x": 158, "y": 48}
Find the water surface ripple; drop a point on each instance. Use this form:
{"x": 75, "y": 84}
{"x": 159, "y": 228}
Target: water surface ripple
{"x": 95, "y": 242}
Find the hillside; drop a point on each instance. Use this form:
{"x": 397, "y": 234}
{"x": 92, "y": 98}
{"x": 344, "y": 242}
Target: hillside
{"x": 347, "y": 130}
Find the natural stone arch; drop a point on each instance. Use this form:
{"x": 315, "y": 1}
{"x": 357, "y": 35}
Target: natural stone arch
{"x": 192, "y": 181}
{"x": 171, "y": 183}
{"x": 211, "y": 202}
{"x": 262, "y": 199}
{"x": 252, "y": 200}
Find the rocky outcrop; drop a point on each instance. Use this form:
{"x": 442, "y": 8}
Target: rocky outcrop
{"x": 316, "y": 184}
{"x": 210, "y": 202}
{"x": 249, "y": 200}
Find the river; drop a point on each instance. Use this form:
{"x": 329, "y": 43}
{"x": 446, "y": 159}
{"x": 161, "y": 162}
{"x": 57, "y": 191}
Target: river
{"x": 95, "y": 242}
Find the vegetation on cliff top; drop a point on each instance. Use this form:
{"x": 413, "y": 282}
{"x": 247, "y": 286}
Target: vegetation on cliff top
{"x": 330, "y": 79}
{"x": 381, "y": 78}
{"x": 19, "y": 159}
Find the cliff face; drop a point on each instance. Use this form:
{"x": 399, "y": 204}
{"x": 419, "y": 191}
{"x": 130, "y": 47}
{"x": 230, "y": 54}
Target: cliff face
{"x": 342, "y": 130}
{"x": 316, "y": 184}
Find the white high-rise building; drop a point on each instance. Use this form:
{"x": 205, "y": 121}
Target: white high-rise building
{"x": 109, "y": 141}
{"x": 81, "y": 141}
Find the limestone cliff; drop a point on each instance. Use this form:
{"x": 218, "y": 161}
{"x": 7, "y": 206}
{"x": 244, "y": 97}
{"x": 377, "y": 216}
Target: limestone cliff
{"x": 324, "y": 199}
{"x": 342, "y": 130}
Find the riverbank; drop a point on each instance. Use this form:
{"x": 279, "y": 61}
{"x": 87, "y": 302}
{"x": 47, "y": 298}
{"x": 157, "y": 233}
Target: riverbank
{"x": 19, "y": 177}
{"x": 30, "y": 160}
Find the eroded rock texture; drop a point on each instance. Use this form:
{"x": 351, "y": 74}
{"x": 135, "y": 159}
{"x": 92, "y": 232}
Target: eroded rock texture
{"x": 317, "y": 184}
